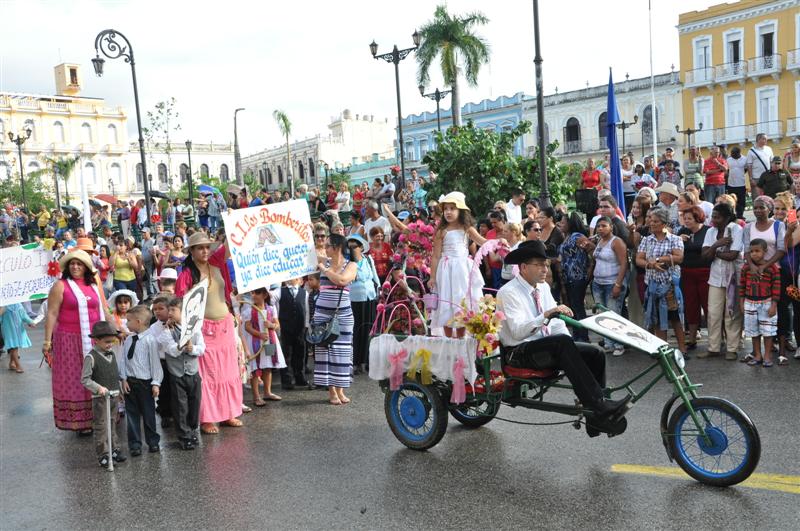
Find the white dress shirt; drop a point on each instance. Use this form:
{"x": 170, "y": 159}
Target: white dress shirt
{"x": 145, "y": 363}
{"x": 523, "y": 322}
{"x": 513, "y": 212}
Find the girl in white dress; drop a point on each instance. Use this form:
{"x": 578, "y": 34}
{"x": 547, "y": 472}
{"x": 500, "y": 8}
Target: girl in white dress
{"x": 261, "y": 344}
{"x": 452, "y": 277}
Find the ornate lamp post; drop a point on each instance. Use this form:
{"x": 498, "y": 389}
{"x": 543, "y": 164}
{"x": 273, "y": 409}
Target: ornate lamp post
{"x": 189, "y": 177}
{"x": 19, "y": 140}
{"x": 237, "y": 159}
{"x": 544, "y": 194}
{"x": 689, "y": 132}
{"x": 624, "y": 125}
{"x": 106, "y": 42}
{"x": 437, "y": 95}
{"x": 395, "y": 56}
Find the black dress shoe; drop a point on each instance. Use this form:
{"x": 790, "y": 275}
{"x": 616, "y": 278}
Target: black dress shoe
{"x": 136, "y": 452}
{"x": 187, "y": 444}
{"x": 154, "y": 449}
{"x": 118, "y": 456}
{"x": 104, "y": 461}
{"x": 605, "y": 425}
{"x": 194, "y": 439}
{"x": 614, "y": 409}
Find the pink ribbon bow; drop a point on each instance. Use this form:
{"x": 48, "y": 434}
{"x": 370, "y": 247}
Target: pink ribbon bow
{"x": 396, "y": 372}
{"x": 459, "y": 393}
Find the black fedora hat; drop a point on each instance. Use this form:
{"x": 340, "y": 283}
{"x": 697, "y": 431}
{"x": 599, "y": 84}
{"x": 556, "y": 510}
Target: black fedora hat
{"x": 525, "y": 251}
{"x": 103, "y": 329}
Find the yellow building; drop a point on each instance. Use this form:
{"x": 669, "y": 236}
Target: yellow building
{"x": 740, "y": 66}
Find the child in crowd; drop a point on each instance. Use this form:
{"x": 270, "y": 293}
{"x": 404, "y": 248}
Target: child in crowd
{"x": 758, "y": 300}
{"x": 141, "y": 375}
{"x": 182, "y": 367}
{"x": 164, "y": 407}
{"x": 167, "y": 280}
{"x": 311, "y": 287}
{"x": 12, "y": 321}
{"x": 261, "y": 344}
{"x": 100, "y": 375}
{"x": 120, "y": 302}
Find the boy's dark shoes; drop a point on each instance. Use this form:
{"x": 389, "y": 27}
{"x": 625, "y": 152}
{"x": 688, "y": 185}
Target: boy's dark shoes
{"x": 136, "y": 452}
{"x": 154, "y": 449}
{"x": 104, "y": 461}
{"x": 195, "y": 440}
{"x": 187, "y": 444}
{"x": 118, "y": 456}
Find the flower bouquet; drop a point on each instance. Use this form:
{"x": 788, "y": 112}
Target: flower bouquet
{"x": 418, "y": 246}
{"x": 482, "y": 320}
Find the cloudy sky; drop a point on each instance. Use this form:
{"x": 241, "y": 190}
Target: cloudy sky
{"x": 311, "y": 57}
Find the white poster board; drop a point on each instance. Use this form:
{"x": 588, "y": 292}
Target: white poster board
{"x": 23, "y": 273}
{"x": 193, "y": 311}
{"x": 616, "y": 327}
{"x": 270, "y": 244}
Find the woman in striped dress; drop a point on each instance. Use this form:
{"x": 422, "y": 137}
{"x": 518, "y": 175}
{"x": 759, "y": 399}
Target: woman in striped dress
{"x": 333, "y": 363}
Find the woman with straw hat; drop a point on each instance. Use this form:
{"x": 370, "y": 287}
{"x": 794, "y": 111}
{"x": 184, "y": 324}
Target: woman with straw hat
{"x": 219, "y": 365}
{"x": 75, "y": 303}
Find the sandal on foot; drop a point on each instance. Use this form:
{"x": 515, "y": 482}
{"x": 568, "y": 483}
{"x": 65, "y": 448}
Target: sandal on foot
{"x": 783, "y": 360}
{"x": 274, "y": 398}
{"x": 260, "y": 403}
{"x": 753, "y": 362}
{"x": 234, "y": 423}
{"x": 767, "y": 364}
{"x": 209, "y": 429}
{"x": 747, "y": 359}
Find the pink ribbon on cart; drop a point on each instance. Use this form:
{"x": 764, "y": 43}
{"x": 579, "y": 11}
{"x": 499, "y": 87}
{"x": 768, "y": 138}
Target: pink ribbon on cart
{"x": 396, "y": 372}
{"x": 459, "y": 392}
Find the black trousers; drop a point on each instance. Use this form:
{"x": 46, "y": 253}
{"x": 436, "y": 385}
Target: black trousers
{"x": 164, "y": 406}
{"x": 576, "y": 292}
{"x": 584, "y": 364}
{"x": 364, "y": 316}
{"x": 140, "y": 406}
{"x": 186, "y": 393}
{"x": 294, "y": 351}
{"x": 741, "y": 196}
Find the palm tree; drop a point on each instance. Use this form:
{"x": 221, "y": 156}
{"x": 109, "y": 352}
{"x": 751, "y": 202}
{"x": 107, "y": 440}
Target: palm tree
{"x": 285, "y": 127}
{"x": 452, "y": 38}
{"x": 62, "y": 167}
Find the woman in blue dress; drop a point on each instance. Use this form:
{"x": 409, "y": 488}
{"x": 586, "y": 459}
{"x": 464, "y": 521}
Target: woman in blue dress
{"x": 12, "y": 321}
{"x": 333, "y": 363}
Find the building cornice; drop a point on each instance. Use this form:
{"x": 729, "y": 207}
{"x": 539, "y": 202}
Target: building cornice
{"x": 736, "y": 16}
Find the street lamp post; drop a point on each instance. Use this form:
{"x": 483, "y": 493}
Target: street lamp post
{"x": 106, "y": 42}
{"x": 19, "y": 140}
{"x": 437, "y": 95}
{"x": 689, "y": 132}
{"x": 395, "y": 56}
{"x": 189, "y": 177}
{"x": 237, "y": 159}
{"x": 544, "y": 194}
{"x": 624, "y": 125}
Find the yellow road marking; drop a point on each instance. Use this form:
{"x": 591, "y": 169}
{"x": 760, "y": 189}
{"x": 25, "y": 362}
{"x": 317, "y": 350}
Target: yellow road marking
{"x": 778, "y": 482}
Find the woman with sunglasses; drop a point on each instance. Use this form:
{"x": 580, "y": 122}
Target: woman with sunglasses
{"x": 532, "y": 230}
{"x": 320, "y": 238}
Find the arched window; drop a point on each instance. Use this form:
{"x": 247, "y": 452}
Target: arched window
{"x": 5, "y": 170}
{"x": 58, "y": 132}
{"x": 115, "y": 173}
{"x": 572, "y": 136}
{"x": 29, "y": 125}
{"x": 648, "y": 124}
{"x": 280, "y": 175}
{"x": 204, "y": 170}
{"x": 33, "y": 166}
{"x": 184, "y": 173}
{"x": 301, "y": 170}
{"x": 312, "y": 171}
{"x": 112, "y": 134}
{"x": 86, "y": 133}
{"x": 139, "y": 177}
{"x": 269, "y": 176}
{"x": 261, "y": 176}
{"x": 163, "y": 179}
{"x": 602, "y": 130}
{"x": 90, "y": 174}
{"x": 223, "y": 173}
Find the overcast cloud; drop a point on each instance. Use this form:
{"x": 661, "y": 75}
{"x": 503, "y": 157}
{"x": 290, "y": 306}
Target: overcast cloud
{"x": 311, "y": 58}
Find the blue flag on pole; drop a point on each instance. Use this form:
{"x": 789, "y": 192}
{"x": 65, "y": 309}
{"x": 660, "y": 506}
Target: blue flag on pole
{"x": 612, "y": 118}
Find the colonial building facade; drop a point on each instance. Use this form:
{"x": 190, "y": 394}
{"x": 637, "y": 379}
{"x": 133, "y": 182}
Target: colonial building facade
{"x": 69, "y": 124}
{"x": 740, "y": 65}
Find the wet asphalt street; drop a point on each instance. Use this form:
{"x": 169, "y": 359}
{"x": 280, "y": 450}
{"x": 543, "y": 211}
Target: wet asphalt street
{"x": 303, "y": 464}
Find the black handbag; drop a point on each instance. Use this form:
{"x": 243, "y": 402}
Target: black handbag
{"x": 324, "y": 333}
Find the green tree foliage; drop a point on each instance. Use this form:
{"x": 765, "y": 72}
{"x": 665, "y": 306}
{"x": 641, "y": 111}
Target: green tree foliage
{"x": 61, "y": 167}
{"x": 452, "y": 39}
{"x": 37, "y": 192}
{"x": 481, "y": 164}
{"x": 285, "y": 127}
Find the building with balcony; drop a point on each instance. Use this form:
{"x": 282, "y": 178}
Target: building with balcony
{"x": 69, "y": 124}
{"x": 168, "y": 169}
{"x": 577, "y": 119}
{"x": 740, "y": 65}
{"x": 352, "y": 139}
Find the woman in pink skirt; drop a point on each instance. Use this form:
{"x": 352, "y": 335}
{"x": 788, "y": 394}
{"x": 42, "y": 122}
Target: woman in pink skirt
{"x": 219, "y": 365}
{"x": 74, "y": 304}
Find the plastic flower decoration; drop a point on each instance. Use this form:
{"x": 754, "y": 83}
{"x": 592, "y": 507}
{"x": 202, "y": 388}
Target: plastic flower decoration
{"x": 53, "y": 269}
{"x": 482, "y": 320}
{"x": 417, "y": 246}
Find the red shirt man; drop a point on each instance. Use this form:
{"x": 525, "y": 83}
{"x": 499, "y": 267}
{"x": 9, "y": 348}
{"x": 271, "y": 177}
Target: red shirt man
{"x": 715, "y": 167}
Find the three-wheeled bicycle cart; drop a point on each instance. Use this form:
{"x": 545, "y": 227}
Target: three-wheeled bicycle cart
{"x": 425, "y": 378}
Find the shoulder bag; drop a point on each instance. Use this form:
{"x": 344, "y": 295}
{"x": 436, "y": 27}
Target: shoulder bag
{"x": 326, "y": 332}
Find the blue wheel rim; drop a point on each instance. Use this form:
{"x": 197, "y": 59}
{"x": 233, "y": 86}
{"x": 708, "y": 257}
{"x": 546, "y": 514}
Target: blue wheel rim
{"x": 411, "y": 412}
{"x": 724, "y": 454}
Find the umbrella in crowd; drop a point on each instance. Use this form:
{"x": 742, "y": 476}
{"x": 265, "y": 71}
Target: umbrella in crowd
{"x": 160, "y": 195}
{"x": 107, "y": 198}
{"x": 206, "y": 189}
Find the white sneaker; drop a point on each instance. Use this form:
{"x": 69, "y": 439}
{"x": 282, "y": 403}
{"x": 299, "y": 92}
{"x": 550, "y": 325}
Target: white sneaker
{"x": 797, "y": 354}
{"x": 618, "y": 352}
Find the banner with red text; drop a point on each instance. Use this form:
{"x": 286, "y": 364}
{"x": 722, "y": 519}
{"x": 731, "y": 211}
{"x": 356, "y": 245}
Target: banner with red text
{"x": 24, "y": 273}
{"x": 270, "y": 244}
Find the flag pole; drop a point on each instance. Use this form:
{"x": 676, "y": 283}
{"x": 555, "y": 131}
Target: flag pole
{"x": 654, "y": 111}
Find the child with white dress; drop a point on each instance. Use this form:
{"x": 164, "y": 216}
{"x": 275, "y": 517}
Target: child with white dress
{"x": 453, "y": 278}
{"x": 261, "y": 344}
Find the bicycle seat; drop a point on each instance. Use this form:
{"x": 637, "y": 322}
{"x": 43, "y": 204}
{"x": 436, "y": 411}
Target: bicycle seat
{"x": 529, "y": 374}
